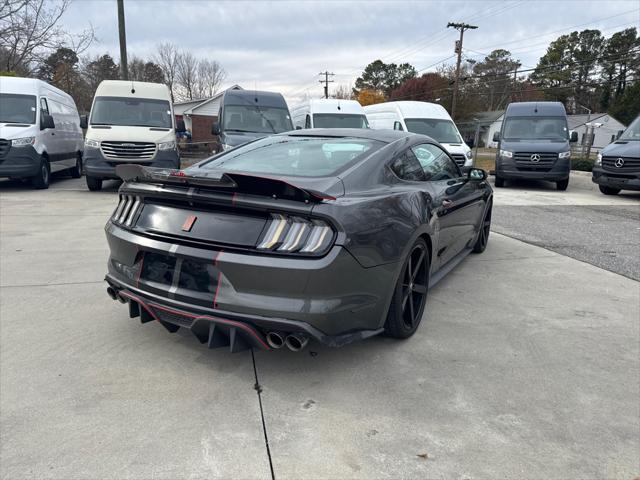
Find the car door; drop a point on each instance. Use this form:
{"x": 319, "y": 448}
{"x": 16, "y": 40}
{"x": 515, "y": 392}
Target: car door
{"x": 457, "y": 200}
{"x": 50, "y": 137}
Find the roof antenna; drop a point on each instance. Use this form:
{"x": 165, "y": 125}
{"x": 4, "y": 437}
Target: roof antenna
{"x": 133, "y": 90}
{"x": 535, "y": 109}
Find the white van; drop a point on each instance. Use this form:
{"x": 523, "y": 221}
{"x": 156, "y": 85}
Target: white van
{"x": 130, "y": 122}
{"x": 39, "y": 131}
{"x": 328, "y": 113}
{"x": 426, "y": 118}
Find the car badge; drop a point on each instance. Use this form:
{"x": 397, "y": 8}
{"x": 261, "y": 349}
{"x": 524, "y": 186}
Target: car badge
{"x": 619, "y": 162}
{"x": 535, "y": 158}
{"x": 188, "y": 223}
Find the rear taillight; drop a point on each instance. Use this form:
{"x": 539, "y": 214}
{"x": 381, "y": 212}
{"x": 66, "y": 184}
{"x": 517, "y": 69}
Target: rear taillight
{"x": 127, "y": 210}
{"x": 296, "y": 235}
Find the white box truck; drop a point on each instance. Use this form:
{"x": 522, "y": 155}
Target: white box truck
{"x": 426, "y": 118}
{"x": 130, "y": 122}
{"x": 39, "y": 131}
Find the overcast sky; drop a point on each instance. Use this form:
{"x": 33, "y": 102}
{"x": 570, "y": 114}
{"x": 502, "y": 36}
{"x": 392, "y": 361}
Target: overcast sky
{"x": 282, "y": 45}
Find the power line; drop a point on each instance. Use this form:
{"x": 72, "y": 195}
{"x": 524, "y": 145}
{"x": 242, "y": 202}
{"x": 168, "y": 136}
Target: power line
{"x": 461, "y": 27}
{"x": 326, "y": 81}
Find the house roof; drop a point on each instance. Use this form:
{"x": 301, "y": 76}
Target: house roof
{"x": 202, "y": 102}
{"x": 576, "y": 121}
{"x": 180, "y": 107}
{"x": 483, "y": 118}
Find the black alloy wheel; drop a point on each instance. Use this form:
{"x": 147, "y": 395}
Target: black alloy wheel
{"x": 483, "y": 234}
{"x": 41, "y": 180}
{"x": 410, "y": 295}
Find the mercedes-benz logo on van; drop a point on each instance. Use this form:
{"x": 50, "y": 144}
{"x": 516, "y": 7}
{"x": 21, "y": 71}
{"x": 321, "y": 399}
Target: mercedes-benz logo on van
{"x": 619, "y": 162}
{"x": 535, "y": 158}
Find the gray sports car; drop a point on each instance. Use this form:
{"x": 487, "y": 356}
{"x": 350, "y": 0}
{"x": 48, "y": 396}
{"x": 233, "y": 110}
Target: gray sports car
{"x": 334, "y": 235}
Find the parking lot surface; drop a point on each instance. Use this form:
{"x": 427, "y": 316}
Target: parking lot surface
{"x": 527, "y": 365}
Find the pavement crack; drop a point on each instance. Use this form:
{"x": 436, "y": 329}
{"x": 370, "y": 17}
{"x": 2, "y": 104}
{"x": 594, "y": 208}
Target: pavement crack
{"x": 258, "y": 388}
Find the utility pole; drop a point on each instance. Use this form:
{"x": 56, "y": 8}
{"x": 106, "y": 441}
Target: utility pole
{"x": 326, "y": 82}
{"x": 458, "y": 49}
{"x": 124, "y": 69}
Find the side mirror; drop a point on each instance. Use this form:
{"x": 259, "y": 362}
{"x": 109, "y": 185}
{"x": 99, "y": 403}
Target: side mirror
{"x": 496, "y": 136}
{"x": 180, "y": 128}
{"x": 46, "y": 121}
{"x": 215, "y": 128}
{"x": 573, "y": 136}
{"x": 620, "y": 132}
{"x": 477, "y": 174}
{"x": 83, "y": 122}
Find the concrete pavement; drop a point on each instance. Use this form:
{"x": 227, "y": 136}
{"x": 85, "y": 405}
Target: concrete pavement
{"x": 526, "y": 365}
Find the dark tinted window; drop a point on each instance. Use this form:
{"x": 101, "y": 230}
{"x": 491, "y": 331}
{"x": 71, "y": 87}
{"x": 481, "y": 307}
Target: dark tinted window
{"x": 16, "y": 108}
{"x": 443, "y": 131}
{"x": 140, "y": 112}
{"x": 535, "y": 128}
{"x": 250, "y": 118}
{"x": 339, "y": 120}
{"x": 407, "y": 167}
{"x": 299, "y": 156}
{"x": 435, "y": 163}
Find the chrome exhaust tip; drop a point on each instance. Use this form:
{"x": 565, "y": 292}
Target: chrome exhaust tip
{"x": 296, "y": 342}
{"x": 112, "y": 293}
{"x": 275, "y": 340}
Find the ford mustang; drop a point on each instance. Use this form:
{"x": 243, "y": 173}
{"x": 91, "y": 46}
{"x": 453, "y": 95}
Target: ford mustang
{"x": 334, "y": 235}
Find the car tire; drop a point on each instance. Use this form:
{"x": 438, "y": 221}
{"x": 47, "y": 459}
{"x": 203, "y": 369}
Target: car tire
{"x": 562, "y": 184}
{"x": 41, "y": 180}
{"x": 485, "y": 229}
{"x": 410, "y": 293}
{"x": 499, "y": 182}
{"x": 609, "y": 190}
{"x": 94, "y": 184}
{"x": 76, "y": 171}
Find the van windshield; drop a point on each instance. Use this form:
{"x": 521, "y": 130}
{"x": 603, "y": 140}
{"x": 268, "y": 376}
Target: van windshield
{"x": 443, "y": 131}
{"x": 339, "y": 120}
{"x": 535, "y": 128}
{"x": 633, "y": 132}
{"x": 240, "y": 118}
{"x": 15, "y": 108}
{"x": 134, "y": 112}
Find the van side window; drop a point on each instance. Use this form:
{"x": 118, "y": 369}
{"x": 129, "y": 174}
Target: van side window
{"x": 44, "y": 106}
{"x": 397, "y": 126}
{"x": 407, "y": 167}
{"x": 435, "y": 162}
{"x": 307, "y": 122}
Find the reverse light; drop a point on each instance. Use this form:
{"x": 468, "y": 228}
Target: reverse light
{"x": 23, "y": 142}
{"x": 127, "y": 209}
{"x": 88, "y": 142}
{"x": 566, "y": 154}
{"x": 598, "y": 160}
{"x": 167, "y": 145}
{"x": 296, "y": 235}
{"x": 506, "y": 154}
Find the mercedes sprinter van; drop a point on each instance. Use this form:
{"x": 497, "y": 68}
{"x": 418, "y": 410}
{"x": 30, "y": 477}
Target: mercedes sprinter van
{"x": 329, "y": 113}
{"x": 39, "y": 131}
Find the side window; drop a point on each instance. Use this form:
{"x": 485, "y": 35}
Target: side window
{"x": 44, "y": 107}
{"x": 407, "y": 167}
{"x": 435, "y": 162}
{"x": 307, "y": 122}
{"x": 397, "y": 126}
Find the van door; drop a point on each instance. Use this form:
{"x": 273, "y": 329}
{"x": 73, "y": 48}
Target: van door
{"x": 50, "y": 137}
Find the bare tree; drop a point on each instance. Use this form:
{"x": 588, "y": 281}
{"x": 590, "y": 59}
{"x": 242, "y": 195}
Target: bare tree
{"x": 343, "y": 92}
{"x": 29, "y": 30}
{"x": 187, "y": 74}
{"x": 210, "y": 76}
{"x": 167, "y": 59}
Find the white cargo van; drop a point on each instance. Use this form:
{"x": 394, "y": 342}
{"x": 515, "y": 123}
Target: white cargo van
{"x": 426, "y": 118}
{"x": 328, "y": 113}
{"x": 39, "y": 131}
{"x": 130, "y": 122}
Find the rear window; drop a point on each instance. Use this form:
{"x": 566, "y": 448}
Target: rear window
{"x": 295, "y": 156}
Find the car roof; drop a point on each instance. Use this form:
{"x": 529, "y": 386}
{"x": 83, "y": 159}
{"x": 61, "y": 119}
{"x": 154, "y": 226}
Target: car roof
{"x": 411, "y": 109}
{"x": 535, "y": 108}
{"x": 386, "y": 136}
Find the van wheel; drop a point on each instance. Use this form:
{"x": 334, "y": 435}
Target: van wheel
{"x": 41, "y": 179}
{"x": 609, "y": 190}
{"x": 76, "y": 172}
{"x": 562, "y": 184}
{"x": 94, "y": 184}
{"x": 499, "y": 182}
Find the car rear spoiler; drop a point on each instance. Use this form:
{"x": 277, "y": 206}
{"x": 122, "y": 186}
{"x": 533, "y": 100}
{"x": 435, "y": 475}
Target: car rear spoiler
{"x": 236, "y": 182}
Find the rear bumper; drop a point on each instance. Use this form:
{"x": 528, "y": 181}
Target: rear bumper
{"x": 507, "y": 169}
{"x": 20, "y": 162}
{"x": 98, "y": 166}
{"x": 623, "y": 181}
{"x": 332, "y": 299}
